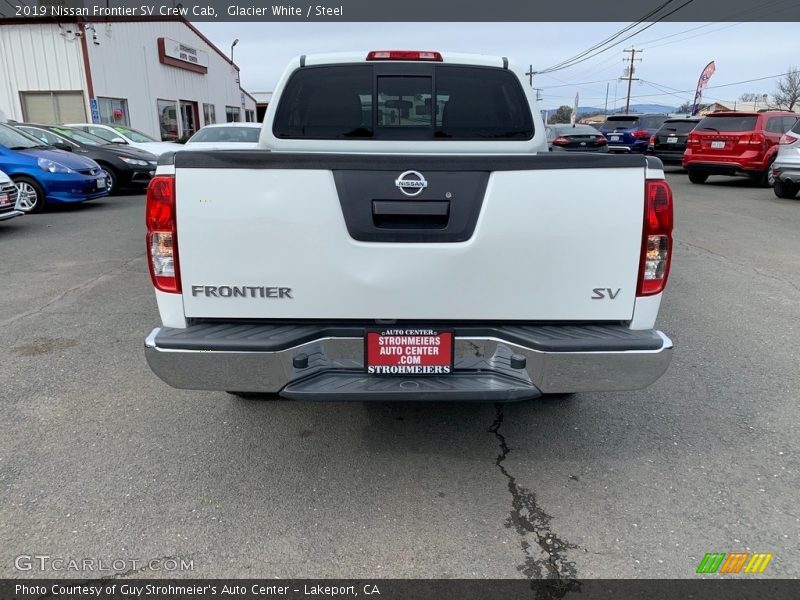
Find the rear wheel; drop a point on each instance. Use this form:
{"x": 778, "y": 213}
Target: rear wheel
{"x": 766, "y": 178}
{"x": 785, "y": 189}
{"x": 31, "y": 195}
{"x": 698, "y": 176}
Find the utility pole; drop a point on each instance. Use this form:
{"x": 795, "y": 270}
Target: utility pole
{"x": 630, "y": 77}
{"x": 605, "y": 110}
{"x": 530, "y": 75}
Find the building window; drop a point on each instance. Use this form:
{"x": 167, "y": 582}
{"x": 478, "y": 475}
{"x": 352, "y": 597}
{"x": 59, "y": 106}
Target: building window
{"x": 168, "y": 120}
{"x": 53, "y": 107}
{"x": 113, "y": 111}
{"x": 250, "y": 116}
{"x": 209, "y": 114}
{"x": 231, "y": 114}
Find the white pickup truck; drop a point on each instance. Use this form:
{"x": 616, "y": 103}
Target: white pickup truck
{"x": 403, "y": 233}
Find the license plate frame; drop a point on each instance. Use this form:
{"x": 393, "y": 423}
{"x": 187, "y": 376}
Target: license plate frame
{"x": 436, "y": 356}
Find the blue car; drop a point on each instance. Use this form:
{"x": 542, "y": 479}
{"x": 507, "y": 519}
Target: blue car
{"x": 631, "y": 133}
{"x": 45, "y": 175}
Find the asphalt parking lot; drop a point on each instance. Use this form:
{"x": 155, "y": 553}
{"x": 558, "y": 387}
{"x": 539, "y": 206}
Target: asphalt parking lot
{"x": 100, "y": 459}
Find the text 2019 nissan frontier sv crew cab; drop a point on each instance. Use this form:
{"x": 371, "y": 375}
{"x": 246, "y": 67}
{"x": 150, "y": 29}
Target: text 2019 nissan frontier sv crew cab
{"x": 403, "y": 233}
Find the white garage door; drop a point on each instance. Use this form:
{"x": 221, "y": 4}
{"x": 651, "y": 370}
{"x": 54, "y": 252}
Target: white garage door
{"x": 53, "y": 107}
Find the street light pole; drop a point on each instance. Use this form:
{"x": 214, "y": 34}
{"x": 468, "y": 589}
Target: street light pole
{"x": 236, "y": 41}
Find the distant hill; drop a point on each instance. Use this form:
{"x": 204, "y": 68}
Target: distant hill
{"x": 635, "y": 108}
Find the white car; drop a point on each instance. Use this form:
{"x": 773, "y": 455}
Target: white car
{"x": 125, "y": 135}
{"x": 8, "y": 198}
{"x": 225, "y": 136}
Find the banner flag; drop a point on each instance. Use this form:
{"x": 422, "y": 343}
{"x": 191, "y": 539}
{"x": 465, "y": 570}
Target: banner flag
{"x": 701, "y": 84}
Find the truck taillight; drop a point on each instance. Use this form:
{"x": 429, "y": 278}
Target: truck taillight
{"x": 656, "y": 238}
{"x": 404, "y": 55}
{"x": 162, "y": 235}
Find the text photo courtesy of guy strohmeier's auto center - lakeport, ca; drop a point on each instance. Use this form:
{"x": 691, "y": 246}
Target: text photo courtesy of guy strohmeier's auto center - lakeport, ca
{"x": 400, "y": 300}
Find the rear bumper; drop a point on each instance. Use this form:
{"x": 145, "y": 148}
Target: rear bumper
{"x": 327, "y": 363}
{"x": 786, "y": 171}
{"x": 639, "y": 146}
{"x": 668, "y": 156}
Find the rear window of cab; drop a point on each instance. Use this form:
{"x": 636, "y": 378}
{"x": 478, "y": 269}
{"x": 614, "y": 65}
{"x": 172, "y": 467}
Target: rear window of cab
{"x": 403, "y": 101}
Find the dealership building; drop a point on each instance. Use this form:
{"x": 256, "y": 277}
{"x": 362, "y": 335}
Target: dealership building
{"x": 164, "y": 78}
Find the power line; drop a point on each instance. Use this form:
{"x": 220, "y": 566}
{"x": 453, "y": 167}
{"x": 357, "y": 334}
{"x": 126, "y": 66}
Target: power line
{"x": 607, "y": 40}
{"x": 600, "y": 51}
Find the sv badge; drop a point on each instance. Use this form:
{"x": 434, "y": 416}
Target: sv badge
{"x": 603, "y": 293}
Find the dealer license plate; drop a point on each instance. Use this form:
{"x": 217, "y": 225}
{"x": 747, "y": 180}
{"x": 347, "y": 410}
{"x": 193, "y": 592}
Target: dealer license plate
{"x": 718, "y": 144}
{"x": 4, "y": 200}
{"x": 409, "y": 352}
{"x": 672, "y": 140}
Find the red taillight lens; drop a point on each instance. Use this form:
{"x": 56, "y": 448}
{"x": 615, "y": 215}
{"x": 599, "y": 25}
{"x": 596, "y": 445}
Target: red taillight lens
{"x": 162, "y": 235}
{"x": 692, "y": 140}
{"x": 639, "y": 134}
{"x": 652, "y": 141}
{"x": 656, "y": 253}
{"x": 560, "y": 141}
{"x": 757, "y": 139}
{"x": 601, "y": 140}
{"x": 404, "y": 55}
{"x": 788, "y": 138}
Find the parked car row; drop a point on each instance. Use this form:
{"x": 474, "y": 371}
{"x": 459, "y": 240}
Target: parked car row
{"x": 764, "y": 146}
{"x": 52, "y": 164}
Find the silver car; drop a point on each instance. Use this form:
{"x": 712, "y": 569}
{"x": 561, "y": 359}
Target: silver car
{"x": 786, "y": 168}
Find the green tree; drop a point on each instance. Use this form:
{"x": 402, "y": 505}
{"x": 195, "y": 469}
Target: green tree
{"x": 562, "y": 115}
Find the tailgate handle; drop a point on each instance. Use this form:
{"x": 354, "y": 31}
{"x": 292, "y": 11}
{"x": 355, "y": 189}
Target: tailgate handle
{"x": 392, "y": 214}
{"x": 390, "y": 207}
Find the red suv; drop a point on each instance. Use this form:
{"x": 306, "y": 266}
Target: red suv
{"x": 733, "y": 143}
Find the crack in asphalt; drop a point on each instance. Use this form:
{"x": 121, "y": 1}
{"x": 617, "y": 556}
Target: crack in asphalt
{"x": 81, "y": 287}
{"x": 553, "y": 575}
{"x": 739, "y": 263}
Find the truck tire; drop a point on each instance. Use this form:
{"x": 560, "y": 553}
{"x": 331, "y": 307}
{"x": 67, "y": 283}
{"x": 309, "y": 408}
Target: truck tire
{"x": 785, "y": 189}
{"x": 262, "y": 396}
{"x": 698, "y": 176}
{"x": 566, "y": 396}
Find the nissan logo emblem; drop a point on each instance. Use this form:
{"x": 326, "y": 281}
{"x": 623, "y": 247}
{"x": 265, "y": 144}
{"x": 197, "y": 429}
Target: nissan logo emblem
{"x": 411, "y": 183}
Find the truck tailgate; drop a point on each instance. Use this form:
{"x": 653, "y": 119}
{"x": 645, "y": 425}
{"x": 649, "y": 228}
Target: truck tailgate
{"x": 490, "y": 238}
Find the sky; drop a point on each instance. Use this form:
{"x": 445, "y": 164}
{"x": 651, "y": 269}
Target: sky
{"x": 668, "y": 71}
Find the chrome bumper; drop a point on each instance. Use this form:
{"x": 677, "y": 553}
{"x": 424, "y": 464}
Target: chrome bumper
{"x": 11, "y": 214}
{"x": 546, "y": 371}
